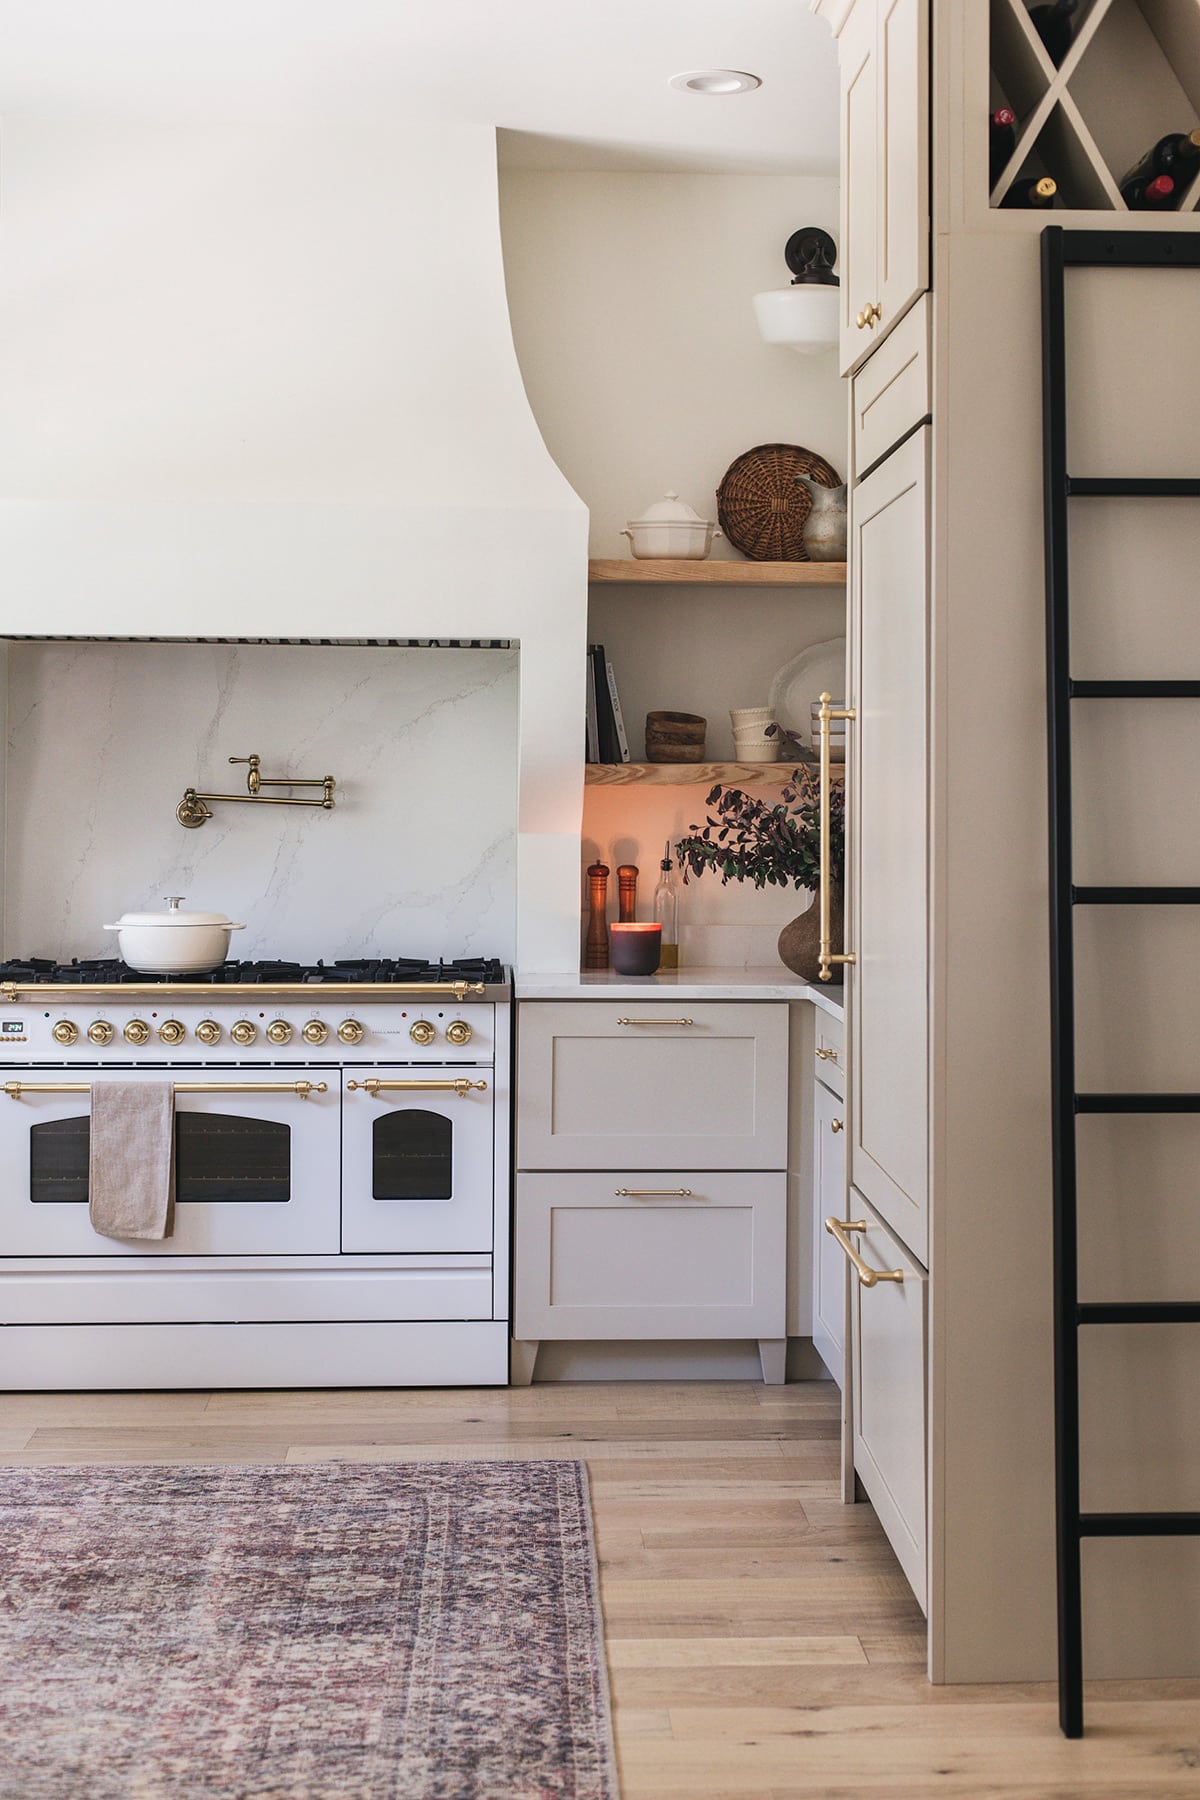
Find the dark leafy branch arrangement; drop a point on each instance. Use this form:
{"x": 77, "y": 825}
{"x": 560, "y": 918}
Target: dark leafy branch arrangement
{"x": 744, "y": 839}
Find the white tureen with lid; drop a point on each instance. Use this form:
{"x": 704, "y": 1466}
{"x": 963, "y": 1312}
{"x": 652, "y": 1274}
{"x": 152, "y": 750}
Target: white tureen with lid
{"x": 671, "y": 528}
{"x": 173, "y": 942}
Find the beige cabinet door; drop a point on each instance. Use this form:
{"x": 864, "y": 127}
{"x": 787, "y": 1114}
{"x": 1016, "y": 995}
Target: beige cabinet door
{"x": 647, "y": 1084}
{"x": 889, "y": 1331}
{"x": 902, "y": 201}
{"x": 829, "y": 1201}
{"x": 888, "y": 803}
{"x": 860, "y": 161}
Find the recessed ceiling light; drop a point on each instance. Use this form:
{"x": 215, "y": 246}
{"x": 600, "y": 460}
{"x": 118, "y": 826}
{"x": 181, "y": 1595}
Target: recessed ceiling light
{"x": 716, "y": 81}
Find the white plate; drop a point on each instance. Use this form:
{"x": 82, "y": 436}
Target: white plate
{"x": 800, "y": 683}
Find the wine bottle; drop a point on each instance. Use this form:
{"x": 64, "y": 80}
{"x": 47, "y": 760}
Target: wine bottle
{"x": 1156, "y": 195}
{"x": 1176, "y": 155}
{"x": 1053, "y": 25}
{"x": 1032, "y": 191}
{"x": 1002, "y": 141}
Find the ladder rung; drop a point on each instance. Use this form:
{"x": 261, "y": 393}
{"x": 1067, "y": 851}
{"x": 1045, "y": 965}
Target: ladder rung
{"x": 1137, "y": 1103}
{"x": 1136, "y": 486}
{"x": 1130, "y": 249}
{"x": 1138, "y": 1312}
{"x": 1139, "y": 1524}
{"x": 1134, "y": 690}
{"x": 1135, "y": 896}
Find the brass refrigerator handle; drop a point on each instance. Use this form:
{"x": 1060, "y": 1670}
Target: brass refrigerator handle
{"x": 841, "y": 1229}
{"x": 14, "y": 1089}
{"x": 460, "y": 1086}
{"x": 825, "y": 713}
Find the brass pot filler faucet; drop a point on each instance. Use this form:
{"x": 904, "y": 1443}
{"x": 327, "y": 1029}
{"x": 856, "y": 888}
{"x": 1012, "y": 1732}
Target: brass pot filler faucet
{"x": 193, "y": 809}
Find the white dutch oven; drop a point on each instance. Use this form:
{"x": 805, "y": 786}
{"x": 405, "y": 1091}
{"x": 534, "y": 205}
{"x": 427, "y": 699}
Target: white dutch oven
{"x": 173, "y": 942}
{"x": 671, "y": 528}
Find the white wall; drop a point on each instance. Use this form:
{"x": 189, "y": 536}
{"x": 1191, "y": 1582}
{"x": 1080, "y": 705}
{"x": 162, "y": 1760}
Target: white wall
{"x": 261, "y": 383}
{"x": 417, "y": 858}
{"x": 631, "y": 303}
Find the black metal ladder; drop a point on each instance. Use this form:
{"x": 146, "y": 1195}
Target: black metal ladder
{"x": 1062, "y": 250}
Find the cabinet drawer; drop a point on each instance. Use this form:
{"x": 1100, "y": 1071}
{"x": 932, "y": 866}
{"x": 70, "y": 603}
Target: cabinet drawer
{"x": 889, "y": 1333}
{"x": 830, "y": 1052}
{"x": 892, "y": 389}
{"x": 647, "y": 1085}
{"x": 605, "y": 1256}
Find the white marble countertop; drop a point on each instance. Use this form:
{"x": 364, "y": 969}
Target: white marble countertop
{"x": 682, "y": 984}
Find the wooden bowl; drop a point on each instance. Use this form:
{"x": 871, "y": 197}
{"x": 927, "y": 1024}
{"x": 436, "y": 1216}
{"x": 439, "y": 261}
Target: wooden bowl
{"x": 675, "y": 737}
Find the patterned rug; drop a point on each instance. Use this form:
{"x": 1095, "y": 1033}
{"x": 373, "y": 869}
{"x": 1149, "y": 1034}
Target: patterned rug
{"x": 334, "y": 1632}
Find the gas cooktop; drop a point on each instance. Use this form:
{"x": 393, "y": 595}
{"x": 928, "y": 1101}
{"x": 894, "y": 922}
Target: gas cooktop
{"x": 36, "y": 971}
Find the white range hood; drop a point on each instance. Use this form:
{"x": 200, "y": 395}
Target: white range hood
{"x": 262, "y": 383}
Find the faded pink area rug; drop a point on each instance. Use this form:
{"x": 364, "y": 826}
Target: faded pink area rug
{"x": 428, "y": 1631}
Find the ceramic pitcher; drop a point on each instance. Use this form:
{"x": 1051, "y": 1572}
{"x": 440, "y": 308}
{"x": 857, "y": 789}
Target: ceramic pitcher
{"x": 825, "y": 526}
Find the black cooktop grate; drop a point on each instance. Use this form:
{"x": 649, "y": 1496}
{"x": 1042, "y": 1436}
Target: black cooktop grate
{"x": 30, "y": 971}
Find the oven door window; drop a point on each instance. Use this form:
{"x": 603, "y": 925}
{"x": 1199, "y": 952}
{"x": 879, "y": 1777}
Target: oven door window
{"x": 412, "y": 1156}
{"x": 218, "y": 1157}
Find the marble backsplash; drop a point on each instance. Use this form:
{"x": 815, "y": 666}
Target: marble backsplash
{"x": 417, "y": 858}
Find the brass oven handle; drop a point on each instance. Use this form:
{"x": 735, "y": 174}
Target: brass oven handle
{"x": 643, "y": 1193}
{"x": 656, "y": 1021}
{"x": 461, "y": 1086}
{"x": 825, "y": 713}
{"x": 14, "y": 1089}
{"x": 866, "y": 1274}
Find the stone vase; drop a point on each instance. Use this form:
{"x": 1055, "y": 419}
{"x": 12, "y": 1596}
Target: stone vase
{"x": 800, "y": 940}
{"x": 825, "y": 526}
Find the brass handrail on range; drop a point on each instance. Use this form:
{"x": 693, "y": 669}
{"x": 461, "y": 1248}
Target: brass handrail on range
{"x": 14, "y": 1089}
{"x": 460, "y": 1086}
{"x": 825, "y": 713}
{"x": 194, "y": 811}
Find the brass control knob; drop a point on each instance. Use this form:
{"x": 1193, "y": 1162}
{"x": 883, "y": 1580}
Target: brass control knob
{"x": 459, "y": 1032}
{"x": 350, "y": 1031}
{"x": 208, "y": 1031}
{"x": 100, "y": 1031}
{"x": 243, "y": 1032}
{"x": 64, "y": 1032}
{"x": 315, "y": 1032}
{"x": 172, "y": 1032}
{"x": 422, "y": 1032}
{"x": 279, "y": 1031}
{"x": 137, "y": 1031}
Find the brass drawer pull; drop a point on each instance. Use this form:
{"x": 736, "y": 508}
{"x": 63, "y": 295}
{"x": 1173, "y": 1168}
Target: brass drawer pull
{"x": 827, "y": 1055}
{"x": 644, "y": 1193}
{"x": 656, "y": 1021}
{"x": 461, "y": 1086}
{"x": 868, "y": 1276}
{"x": 837, "y": 1125}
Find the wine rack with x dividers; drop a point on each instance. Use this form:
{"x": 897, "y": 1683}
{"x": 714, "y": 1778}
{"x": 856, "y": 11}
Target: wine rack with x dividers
{"x": 1131, "y": 75}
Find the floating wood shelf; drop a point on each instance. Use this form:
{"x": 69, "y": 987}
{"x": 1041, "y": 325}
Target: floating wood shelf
{"x": 687, "y": 774}
{"x": 717, "y": 574}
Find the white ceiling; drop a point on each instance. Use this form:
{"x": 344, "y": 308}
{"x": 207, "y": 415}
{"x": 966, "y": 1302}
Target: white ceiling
{"x": 573, "y": 83}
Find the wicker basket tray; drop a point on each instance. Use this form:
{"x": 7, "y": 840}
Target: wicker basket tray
{"x": 762, "y": 507}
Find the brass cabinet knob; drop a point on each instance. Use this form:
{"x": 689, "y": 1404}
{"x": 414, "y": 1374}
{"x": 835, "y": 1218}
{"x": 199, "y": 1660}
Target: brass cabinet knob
{"x": 422, "y": 1032}
{"x": 208, "y": 1031}
{"x": 874, "y": 314}
{"x": 315, "y": 1032}
{"x": 459, "y": 1032}
{"x": 837, "y": 1125}
{"x": 137, "y": 1032}
{"x": 172, "y": 1032}
{"x": 100, "y": 1031}
{"x": 243, "y": 1032}
{"x": 64, "y": 1032}
{"x": 350, "y": 1031}
{"x": 279, "y": 1031}
{"x": 861, "y": 320}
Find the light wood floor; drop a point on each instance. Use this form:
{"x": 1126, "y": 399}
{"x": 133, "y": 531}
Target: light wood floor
{"x": 763, "y": 1643}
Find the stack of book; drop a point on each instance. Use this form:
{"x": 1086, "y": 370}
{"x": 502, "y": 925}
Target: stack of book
{"x": 606, "y": 739}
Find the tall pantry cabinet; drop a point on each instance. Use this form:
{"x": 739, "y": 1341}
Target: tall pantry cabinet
{"x": 950, "y": 1367}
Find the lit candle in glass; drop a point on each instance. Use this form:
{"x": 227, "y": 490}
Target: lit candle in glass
{"x": 635, "y": 949}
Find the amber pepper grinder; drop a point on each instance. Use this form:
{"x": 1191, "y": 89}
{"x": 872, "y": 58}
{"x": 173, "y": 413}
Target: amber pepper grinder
{"x": 595, "y": 954}
{"x": 627, "y": 876}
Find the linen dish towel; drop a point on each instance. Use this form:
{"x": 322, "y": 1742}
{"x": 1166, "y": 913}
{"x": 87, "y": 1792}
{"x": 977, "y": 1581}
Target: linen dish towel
{"x": 131, "y": 1159}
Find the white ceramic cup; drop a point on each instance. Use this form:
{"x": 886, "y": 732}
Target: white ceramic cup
{"x": 750, "y": 715}
{"x": 767, "y": 752}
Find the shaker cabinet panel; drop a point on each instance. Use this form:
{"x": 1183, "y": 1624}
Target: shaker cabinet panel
{"x": 889, "y": 844}
{"x": 859, "y": 159}
{"x": 652, "y": 1085}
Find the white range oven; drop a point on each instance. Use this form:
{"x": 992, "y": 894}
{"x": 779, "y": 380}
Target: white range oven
{"x": 341, "y": 1179}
